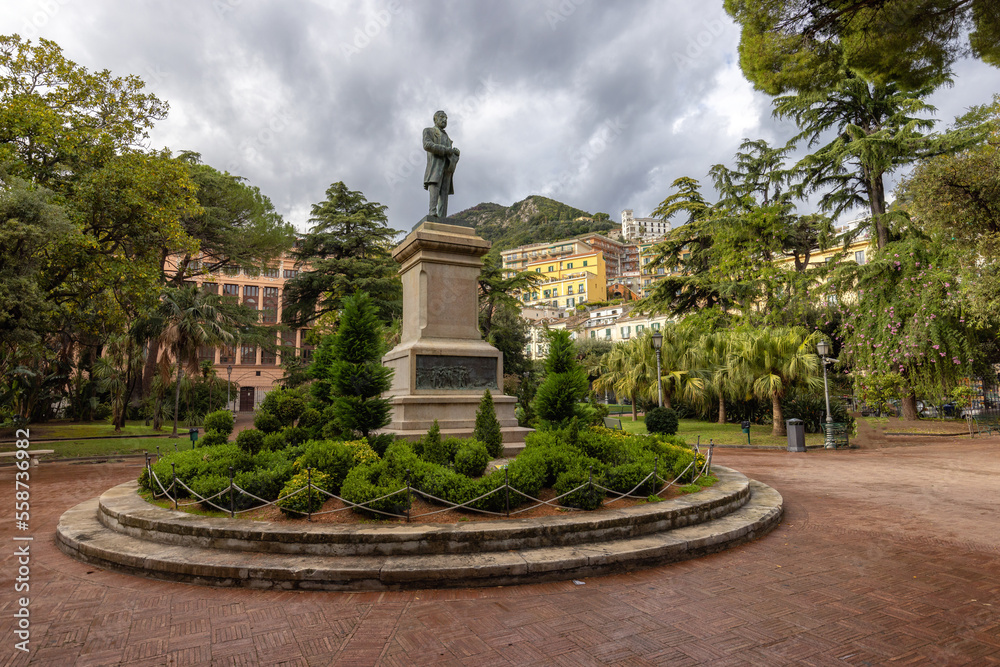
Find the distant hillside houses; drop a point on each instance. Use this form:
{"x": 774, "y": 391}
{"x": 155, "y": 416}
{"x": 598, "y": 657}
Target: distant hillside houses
{"x": 612, "y": 323}
{"x": 643, "y": 229}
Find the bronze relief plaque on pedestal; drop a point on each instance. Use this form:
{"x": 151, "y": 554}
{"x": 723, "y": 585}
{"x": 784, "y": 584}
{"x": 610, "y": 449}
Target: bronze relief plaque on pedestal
{"x": 452, "y": 372}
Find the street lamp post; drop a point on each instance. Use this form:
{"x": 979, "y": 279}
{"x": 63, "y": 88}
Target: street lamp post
{"x": 657, "y": 344}
{"x": 824, "y": 349}
{"x": 229, "y": 384}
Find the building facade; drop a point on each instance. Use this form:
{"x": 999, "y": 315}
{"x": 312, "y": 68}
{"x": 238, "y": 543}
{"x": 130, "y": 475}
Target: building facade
{"x": 256, "y": 370}
{"x": 643, "y": 229}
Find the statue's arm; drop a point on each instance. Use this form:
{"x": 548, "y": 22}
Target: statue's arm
{"x": 438, "y": 149}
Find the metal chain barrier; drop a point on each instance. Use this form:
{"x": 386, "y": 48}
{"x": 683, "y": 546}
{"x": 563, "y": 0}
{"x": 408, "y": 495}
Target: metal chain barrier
{"x": 234, "y": 488}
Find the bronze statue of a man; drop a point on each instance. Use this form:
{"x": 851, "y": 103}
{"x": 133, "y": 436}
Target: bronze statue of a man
{"x": 442, "y": 158}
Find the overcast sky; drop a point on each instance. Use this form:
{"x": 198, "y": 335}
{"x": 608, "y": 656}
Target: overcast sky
{"x": 597, "y": 104}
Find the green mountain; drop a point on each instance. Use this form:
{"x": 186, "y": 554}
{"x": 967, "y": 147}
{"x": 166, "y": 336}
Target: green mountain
{"x": 536, "y": 219}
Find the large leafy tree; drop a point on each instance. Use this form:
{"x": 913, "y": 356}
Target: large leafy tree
{"x": 877, "y": 129}
{"x": 908, "y": 320}
{"x": 347, "y": 250}
{"x": 811, "y": 45}
{"x": 235, "y": 224}
{"x": 58, "y": 119}
{"x": 955, "y": 199}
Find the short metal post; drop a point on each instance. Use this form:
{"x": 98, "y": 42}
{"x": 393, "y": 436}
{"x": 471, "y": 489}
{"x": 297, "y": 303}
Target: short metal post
{"x": 408, "y": 497}
{"x": 309, "y": 492}
{"x": 173, "y": 483}
{"x": 232, "y": 508}
{"x": 157, "y": 453}
{"x": 506, "y": 492}
{"x": 711, "y": 452}
{"x": 175, "y": 448}
{"x": 656, "y": 474}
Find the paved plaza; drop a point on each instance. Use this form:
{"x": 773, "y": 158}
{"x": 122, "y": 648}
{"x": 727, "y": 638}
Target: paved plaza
{"x": 887, "y": 555}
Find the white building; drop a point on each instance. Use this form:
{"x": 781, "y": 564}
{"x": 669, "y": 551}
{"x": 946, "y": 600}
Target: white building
{"x": 643, "y": 229}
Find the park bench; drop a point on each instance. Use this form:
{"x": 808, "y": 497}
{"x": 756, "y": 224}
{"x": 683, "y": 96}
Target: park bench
{"x": 840, "y": 434}
{"x": 986, "y": 424}
{"x": 613, "y": 424}
{"x": 32, "y": 454}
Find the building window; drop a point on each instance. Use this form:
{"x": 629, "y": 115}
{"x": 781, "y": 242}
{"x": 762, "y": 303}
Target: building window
{"x": 231, "y": 270}
{"x": 626, "y": 332}
{"x": 248, "y": 354}
{"x": 287, "y": 344}
{"x": 831, "y": 299}
{"x": 550, "y": 269}
{"x": 290, "y": 273}
{"x": 569, "y": 289}
{"x": 581, "y": 288}
{"x": 570, "y": 302}
{"x": 231, "y": 290}
{"x": 268, "y": 357}
{"x": 206, "y": 354}
{"x": 593, "y": 334}
{"x": 569, "y": 265}
{"x": 538, "y": 270}
{"x": 859, "y": 256}
{"x": 585, "y": 262}
{"x": 210, "y": 288}
{"x": 639, "y": 328}
{"x": 227, "y": 355}
{"x": 271, "y": 272}
{"x": 655, "y": 326}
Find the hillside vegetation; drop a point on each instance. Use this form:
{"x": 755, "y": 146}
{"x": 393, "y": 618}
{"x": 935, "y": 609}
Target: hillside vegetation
{"x": 535, "y": 219}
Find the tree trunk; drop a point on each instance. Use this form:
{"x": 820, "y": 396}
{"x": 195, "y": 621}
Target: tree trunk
{"x": 149, "y": 369}
{"x": 909, "y": 405}
{"x": 778, "y": 430}
{"x": 876, "y": 200}
{"x": 722, "y": 409}
{"x": 177, "y": 397}
{"x": 635, "y": 408}
{"x": 666, "y": 400}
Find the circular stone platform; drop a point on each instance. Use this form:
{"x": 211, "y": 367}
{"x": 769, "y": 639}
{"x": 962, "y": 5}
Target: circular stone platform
{"x": 121, "y": 531}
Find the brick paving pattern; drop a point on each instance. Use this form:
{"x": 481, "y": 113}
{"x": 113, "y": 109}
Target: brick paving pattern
{"x": 884, "y": 556}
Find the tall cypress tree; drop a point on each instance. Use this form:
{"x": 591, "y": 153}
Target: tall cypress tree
{"x": 565, "y": 383}
{"x": 357, "y": 376}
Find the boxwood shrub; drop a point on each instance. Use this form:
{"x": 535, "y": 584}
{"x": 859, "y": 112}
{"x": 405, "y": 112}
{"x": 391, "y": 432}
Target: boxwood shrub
{"x": 221, "y": 421}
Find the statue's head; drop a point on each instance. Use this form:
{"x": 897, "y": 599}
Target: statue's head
{"x": 441, "y": 119}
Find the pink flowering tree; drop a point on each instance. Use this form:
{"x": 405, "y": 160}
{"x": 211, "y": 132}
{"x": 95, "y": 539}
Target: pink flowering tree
{"x": 907, "y": 320}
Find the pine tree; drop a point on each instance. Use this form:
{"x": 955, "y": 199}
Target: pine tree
{"x": 357, "y": 376}
{"x": 487, "y": 429}
{"x": 565, "y": 382}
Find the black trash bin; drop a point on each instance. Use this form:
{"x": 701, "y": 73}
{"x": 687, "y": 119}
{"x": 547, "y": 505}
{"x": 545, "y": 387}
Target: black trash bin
{"x": 796, "y": 435}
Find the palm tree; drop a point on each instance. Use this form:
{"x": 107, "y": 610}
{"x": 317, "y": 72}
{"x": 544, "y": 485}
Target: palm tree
{"x": 116, "y": 371}
{"x": 189, "y": 318}
{"x": 681, "y": 373}
{"x": 772, "y": 360}
{"x": 722, "y": 382}
{"x": 629, "y": 369}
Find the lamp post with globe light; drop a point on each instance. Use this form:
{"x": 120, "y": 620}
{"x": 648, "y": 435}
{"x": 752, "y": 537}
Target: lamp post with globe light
{"x": 657, "y": 344}
{"x": 824, "y": 349}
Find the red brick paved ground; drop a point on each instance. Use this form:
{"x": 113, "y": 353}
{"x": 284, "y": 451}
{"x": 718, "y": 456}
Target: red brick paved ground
{"x": 886, "y": 555}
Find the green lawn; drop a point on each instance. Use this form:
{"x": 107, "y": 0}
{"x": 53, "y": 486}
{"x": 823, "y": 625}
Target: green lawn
{"x": 103, "y": 447}
{"x": 722, "y": 434}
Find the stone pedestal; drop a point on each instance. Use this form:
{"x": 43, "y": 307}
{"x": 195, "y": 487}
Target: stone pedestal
{"x": 442, "y": 365}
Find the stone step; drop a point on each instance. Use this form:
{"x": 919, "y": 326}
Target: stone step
{"x": 81, "y": 535}
{"x": 123, "y": 510}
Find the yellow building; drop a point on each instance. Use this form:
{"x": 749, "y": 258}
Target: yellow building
{"x": 518, "y": 259}
{"x": 567, "y": 280}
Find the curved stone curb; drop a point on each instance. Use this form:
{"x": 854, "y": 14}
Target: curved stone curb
{"x": 80, "y": 534}
{"x": 122, "y": 510}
